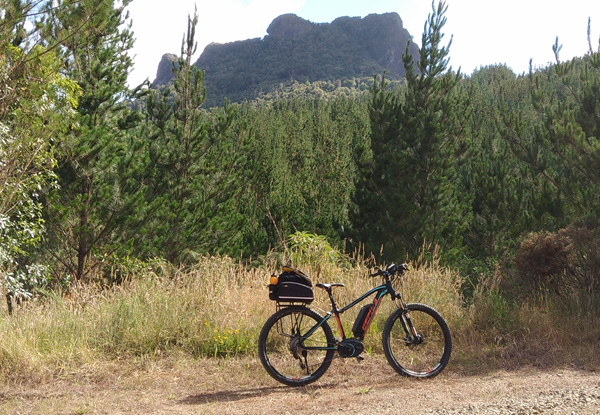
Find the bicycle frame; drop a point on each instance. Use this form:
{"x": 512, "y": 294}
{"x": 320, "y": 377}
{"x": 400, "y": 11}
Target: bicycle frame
{"x": 381, "y": 291}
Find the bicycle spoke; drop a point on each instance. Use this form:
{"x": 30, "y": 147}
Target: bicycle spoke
{"x": 417, "y": 343}
{"x": 286, "y": 352}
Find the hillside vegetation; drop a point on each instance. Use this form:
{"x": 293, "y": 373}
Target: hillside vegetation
{"x": 349, "y": 50}
{"x": 120, "y": 210}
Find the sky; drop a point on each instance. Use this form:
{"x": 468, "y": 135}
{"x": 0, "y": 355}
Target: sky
{"x": 483, "y": 32}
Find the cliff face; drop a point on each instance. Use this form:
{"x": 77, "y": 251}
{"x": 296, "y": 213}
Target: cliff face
{"x": 382, "y": 36}
{"x": 295, "y": 49}
{"x": 164, "y": 73}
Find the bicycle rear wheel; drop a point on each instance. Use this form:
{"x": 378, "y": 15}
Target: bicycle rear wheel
{"x": 423, "y": 352}
{"x": 291, "y": 356}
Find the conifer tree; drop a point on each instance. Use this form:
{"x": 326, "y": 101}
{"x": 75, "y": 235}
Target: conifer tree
{"x": 413, "y": 190}
{"x": 571, "y": 132}
{"x": 196, "y": 163}
{"x": 501, "y": 195}
{"x": 556, "y": 138}
{"x": 98, "y": 185}
{"x": 304, "y": 167}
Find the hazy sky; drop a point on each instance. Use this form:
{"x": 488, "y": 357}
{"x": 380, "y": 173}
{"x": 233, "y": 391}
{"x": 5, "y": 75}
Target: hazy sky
{"x": 485, "y": 32}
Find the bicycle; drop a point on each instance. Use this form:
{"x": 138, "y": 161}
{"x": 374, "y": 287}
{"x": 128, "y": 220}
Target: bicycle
{"x": 297, "y": 345}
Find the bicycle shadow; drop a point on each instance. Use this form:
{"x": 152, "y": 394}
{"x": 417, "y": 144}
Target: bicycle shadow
{"x": 241, "y": 394}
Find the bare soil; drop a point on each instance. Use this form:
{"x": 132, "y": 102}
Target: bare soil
{"x": 241, "y": 386}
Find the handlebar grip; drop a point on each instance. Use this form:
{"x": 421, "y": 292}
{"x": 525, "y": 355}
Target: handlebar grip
{"x": 391, "y": 270}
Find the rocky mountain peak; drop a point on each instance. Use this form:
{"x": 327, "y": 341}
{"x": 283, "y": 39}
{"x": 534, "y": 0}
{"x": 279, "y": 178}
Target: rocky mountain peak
{"x": 297, "y": 50}
{"x": 164, "y": 73}
{"x": 290, "y": 26}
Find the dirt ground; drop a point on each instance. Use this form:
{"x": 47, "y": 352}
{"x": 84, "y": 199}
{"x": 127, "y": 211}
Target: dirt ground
{"x": 241, "y": 386}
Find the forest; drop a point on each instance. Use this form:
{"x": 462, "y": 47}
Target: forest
{"x": 498, "y": 172}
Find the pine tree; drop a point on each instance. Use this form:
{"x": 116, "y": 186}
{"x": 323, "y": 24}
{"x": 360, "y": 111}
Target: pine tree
{"x": 413, "y": 190}
{"x": 304, "y": 167}
{"x": 197, "y": 163}
{"x": 555, "y": 138}
{"x": 571, "y": 131}
{"x": 98, "y": 185}
{"x": 501, "y": 195}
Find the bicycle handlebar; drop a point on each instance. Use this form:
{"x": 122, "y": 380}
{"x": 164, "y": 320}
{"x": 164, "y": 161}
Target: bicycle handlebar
{"x": 391, "y": 270}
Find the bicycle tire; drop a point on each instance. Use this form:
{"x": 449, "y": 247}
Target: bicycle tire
{"x": 424, "y": 356}
{"x": 282, "y": 347}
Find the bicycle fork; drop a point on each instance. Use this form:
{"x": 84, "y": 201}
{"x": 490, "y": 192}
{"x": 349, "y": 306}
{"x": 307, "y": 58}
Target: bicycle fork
{"x": 412, "y": 336}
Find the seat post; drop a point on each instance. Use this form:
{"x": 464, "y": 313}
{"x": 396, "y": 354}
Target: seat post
{"x": 329, "y": 288}
{"x": 333, "y": 303}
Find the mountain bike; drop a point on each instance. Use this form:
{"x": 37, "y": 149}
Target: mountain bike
{"x": 297, "y": 345}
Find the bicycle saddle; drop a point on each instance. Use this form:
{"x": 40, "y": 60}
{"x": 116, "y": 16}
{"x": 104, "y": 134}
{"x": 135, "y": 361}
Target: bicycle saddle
{"x": 330, "y": 286}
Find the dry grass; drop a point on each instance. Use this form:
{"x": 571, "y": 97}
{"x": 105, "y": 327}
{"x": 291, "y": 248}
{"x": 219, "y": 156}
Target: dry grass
{"x": 508, "y": 333}
{"x": 217, "y": 308}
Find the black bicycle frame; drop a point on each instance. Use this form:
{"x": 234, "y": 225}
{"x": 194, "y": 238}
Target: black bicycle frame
{"x": 381, "y": 291}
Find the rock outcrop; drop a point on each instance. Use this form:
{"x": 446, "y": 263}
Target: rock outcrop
{"x": 297, "y": 50}
{"x": 164, "y": 73}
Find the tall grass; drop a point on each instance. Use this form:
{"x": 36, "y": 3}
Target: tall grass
{"x": 549, "y": 330}
{"x": 217, "y": 308}
{"x": 212, "y": 309}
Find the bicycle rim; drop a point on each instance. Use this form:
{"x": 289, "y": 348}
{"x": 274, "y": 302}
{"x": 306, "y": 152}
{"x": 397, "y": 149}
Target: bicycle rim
{"x": 424, "y": 354}
{"x": 285, "y": 351}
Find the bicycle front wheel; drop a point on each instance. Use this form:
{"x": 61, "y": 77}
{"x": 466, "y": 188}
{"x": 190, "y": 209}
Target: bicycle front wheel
{"x": 296, "y": 346}
{"x": 417, "y": 341}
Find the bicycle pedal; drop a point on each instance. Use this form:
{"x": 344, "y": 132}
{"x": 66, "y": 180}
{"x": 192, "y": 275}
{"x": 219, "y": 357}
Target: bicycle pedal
{"x": 360, "y": 358}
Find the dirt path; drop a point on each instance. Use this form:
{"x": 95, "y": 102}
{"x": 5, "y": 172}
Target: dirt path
{"x": 242, "y": 387}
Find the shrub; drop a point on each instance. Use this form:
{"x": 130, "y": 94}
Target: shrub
{"x": 565, "y": 262}
{"x": 541, "y": 261}
{"x": 312, "y": 249}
